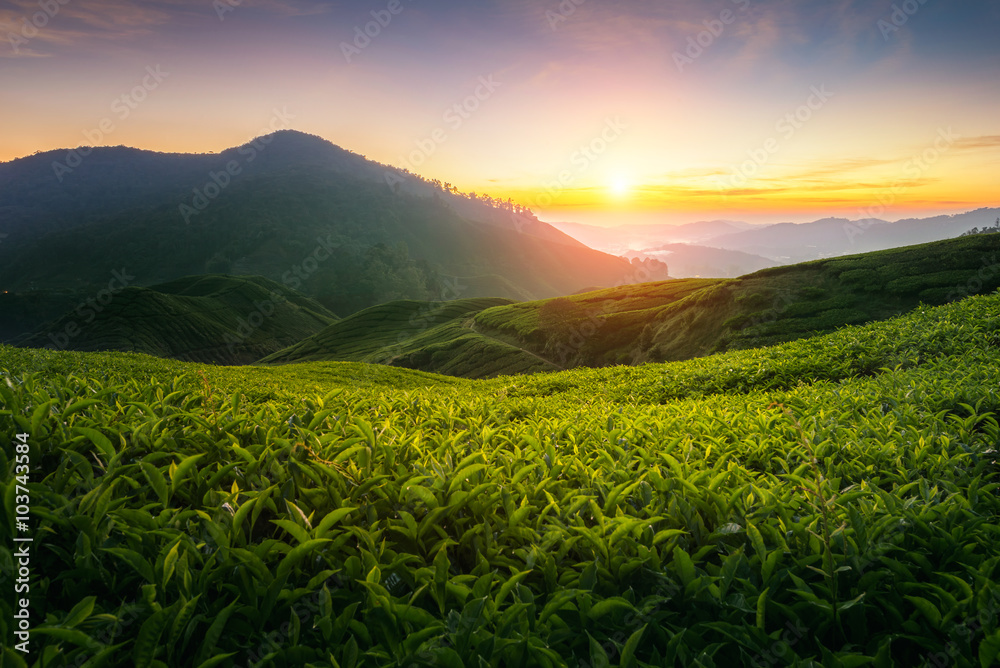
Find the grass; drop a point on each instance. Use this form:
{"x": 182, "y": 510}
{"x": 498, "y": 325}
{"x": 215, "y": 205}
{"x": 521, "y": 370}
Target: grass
{"x": 829, "y": 501}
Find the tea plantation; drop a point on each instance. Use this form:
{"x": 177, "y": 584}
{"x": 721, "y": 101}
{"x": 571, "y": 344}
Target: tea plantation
{"x": 826, "y": 502}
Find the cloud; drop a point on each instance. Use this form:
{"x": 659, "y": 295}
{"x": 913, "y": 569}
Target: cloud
{"x": 982, "y": 142}
{"x": 33, "y": 33}
{"x": 844, "y": 167}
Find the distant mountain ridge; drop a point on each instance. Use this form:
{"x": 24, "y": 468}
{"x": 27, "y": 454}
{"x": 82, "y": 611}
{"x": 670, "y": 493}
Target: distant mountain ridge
{"x": 784, "y": 243}
{"x": 693, "y": 261}
{"x": 623, "y": 238}
{"x": 139, "y": 175}
{"x": 830, "y": 237}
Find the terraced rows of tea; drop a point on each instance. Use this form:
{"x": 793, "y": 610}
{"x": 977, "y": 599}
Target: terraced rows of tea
{"x": 210, "y": 319}
{"x": 827, "y": 502}
{"x": 417, "y": 335}
{"x": 660, "y": 321}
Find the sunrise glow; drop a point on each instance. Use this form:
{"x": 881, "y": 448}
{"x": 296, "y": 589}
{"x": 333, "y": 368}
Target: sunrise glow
{"x": 790, "y": 112}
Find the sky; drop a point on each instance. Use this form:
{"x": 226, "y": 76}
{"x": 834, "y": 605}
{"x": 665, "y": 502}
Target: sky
{"x": 597, "y": 111}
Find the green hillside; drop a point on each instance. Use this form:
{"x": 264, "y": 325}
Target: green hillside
{"x": 830, "y": 501}
{"x": 217, "y": 319}
{"x": 679, "y": 319}
{"x": 416, "y": 335}
{"x": 590, "y": 329}
{"x": 770, "y": 306}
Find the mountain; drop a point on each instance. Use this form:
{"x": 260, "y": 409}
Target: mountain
{"x": 215, "y": 319}
{"x": 294, "y": 208}
{"x": 691, "y": 261}
{"x": 623, "y": 238}
{"x": 829, "y": 237}
{"x": 781, "y": 243}
{"x": 678, "y": 319}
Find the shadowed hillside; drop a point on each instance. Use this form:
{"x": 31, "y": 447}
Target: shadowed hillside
{"x": 479, "y": 338}
{"x": 217, "y": 319}
{"x": 417, "y": 335}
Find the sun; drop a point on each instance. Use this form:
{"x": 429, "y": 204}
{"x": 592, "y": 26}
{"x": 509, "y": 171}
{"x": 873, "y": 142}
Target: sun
{"x": 620, "y": 185}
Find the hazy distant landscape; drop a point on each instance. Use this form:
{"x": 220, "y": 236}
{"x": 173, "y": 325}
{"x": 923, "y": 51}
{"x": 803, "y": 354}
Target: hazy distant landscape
{"x": 554, "y": 335}
{"x": 726, "y": 249}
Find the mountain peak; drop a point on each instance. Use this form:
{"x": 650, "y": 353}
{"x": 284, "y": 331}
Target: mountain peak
{"x": 294, "y": 138}
{"x": 292, "y": 145}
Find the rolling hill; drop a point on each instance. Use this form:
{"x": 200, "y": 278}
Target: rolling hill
{"x": 679, "y": 319}
{"x": 294, "y": 208}
{"x": 417, "y": 335}
{"x": 215, "y": 319}
{"x": 767, "y": 307}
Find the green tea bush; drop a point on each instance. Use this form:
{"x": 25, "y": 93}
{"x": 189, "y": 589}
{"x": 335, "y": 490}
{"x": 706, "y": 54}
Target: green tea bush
{"x": 827, "y": 502}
